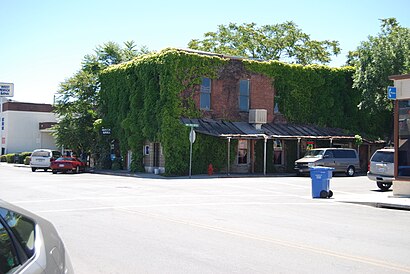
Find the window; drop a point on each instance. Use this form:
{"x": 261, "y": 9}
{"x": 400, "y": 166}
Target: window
{"x": 242, "y": 152}
{"x": 2, "y": 123}
{"x": 205, "y": 98}
{"x": 22, "y": 228}
{"x": 277, "y": 152}
{"x": 244, "y": 95}
{"x": 8, "y": 258}
{"x": 403, "y": 167}
{"x": 146, "y": 150}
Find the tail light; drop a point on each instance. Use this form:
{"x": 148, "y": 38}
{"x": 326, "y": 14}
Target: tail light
{"x": 368, "y": 166}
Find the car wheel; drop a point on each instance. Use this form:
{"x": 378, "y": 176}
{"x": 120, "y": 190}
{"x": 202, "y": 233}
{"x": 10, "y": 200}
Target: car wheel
{"x": 54, "y": 171}
{"x": 350, "y": 171}
{"x": 33, "y": 169}
{"x": 384, "y": 186}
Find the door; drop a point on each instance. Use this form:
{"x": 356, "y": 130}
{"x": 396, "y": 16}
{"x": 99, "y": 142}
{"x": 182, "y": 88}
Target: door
{"x": 157, "y": 153}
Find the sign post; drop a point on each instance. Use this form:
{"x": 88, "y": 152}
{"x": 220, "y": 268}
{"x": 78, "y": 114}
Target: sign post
{"x": 192, "y": 137}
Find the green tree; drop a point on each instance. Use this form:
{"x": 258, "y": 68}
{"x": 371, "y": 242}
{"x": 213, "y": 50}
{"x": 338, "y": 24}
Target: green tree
{"x": 77, "y": 100}
{"x": 284, "y": 42}
{"x": 375, "y": 60}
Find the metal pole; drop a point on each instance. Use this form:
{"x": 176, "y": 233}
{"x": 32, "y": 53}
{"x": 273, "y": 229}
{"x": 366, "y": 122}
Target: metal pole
{"x": 190, "y": 153}
{"x": 264, "y": 156}
{"x": 229, "y": 155}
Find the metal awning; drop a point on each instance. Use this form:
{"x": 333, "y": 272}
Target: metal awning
{"x": 245, "y": 130}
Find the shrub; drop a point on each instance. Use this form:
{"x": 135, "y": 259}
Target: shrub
{"x": 23, "y": 156}
{"x": 10, "y": 158}
{"x": 27, "y": 160}
{"x": 3, "y": 158}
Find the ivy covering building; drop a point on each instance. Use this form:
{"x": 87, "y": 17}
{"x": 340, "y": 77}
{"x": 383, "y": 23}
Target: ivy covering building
{"x": 252, "y": 116}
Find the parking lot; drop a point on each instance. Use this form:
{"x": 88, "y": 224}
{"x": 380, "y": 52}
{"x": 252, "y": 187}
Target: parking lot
{"x": 114, "y": 224}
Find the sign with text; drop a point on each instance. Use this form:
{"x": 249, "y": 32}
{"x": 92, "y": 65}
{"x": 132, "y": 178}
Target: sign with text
{"x": 106, "y": 131}
{"x": 6, "y": 90}
{"x": 391, "y": 93}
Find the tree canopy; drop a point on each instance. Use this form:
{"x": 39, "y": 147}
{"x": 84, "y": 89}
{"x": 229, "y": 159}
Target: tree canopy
{"x": 77, "y": 100}
{"x": 375, "y": 60}
{"x": 283, "y": 42}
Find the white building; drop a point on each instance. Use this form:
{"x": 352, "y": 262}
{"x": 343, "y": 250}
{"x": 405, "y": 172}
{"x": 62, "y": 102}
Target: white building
{"x": 26, "y": 126}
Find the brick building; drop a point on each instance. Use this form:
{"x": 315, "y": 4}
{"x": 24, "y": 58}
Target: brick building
{"x": 237, "y": 105}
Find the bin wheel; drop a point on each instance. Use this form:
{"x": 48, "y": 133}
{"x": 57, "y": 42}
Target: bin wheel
{"x": 330, "y": 194}
{"x": 323, "y": 194}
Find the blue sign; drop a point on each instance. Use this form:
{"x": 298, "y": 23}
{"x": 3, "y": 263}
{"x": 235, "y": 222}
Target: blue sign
{"x": 391, "y": 93}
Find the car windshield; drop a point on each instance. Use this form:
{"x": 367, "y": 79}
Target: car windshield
{"x": 383, "y": 156}
{"x": 314, "y": 153}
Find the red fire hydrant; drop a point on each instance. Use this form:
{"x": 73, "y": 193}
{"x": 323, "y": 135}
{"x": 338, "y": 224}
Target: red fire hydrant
{"x": 210, "y": 169}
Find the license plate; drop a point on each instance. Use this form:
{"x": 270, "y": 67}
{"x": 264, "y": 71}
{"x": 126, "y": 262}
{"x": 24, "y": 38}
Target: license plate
{"x": 40, "y": 160}
{"x": 381, "y": 169}
{"x": 61, "y": 165}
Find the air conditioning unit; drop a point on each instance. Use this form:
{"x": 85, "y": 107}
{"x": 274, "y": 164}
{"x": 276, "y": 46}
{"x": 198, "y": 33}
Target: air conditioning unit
{"x": 257, "y": 116}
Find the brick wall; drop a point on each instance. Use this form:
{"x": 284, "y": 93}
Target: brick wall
{"x": 225, "y": 94}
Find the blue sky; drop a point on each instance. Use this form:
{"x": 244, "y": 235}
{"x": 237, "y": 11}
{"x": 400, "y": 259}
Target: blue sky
{"x": 44, "y": 41}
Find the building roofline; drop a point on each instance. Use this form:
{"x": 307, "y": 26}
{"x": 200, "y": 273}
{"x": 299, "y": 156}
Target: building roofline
{"x": 399, "y": 77}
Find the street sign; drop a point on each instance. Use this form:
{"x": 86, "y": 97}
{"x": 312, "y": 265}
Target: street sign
{"x": 192, "y": 136}
{"x": 192, "y": 125}
{"x": 106, "y": 131}
{"x": 6, "y": 90}
{"x": 391, "y": 93}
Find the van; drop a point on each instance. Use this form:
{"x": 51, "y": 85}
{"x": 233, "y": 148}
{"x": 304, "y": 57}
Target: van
{"x": 42, "y": 158}
{"x": 341, "y": 159}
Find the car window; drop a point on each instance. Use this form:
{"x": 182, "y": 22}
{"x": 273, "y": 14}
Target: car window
{"x": 316, "y": 153}
{"x": 383, "y": 156}
{"x": 40, "y": 154}
{"x": 345, "y": 153}
{"x": 56, "y": 154}
{"x": 22, "y": 228}
{"x": 329, "y": 154}
{"x": 8, "y": 258}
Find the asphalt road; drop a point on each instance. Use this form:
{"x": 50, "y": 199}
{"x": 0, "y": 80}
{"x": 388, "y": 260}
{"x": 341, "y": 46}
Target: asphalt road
{"x": 114, "y": 224}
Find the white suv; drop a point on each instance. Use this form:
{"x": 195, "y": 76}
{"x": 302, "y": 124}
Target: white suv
{"x": 381, "y": 168}
{"x": 42, "y": 158}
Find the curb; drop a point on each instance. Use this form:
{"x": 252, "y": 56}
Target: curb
{"x": 381, "y": 205}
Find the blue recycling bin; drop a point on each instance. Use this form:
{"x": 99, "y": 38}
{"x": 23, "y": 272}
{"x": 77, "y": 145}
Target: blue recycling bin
{"x": 320, "y": 181}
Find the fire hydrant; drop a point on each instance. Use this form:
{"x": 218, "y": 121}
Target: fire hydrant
{"x": 210, "y": 169}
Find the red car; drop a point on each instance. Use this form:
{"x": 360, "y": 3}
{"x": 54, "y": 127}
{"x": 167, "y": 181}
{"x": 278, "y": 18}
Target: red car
{"x": 65, "y": 164}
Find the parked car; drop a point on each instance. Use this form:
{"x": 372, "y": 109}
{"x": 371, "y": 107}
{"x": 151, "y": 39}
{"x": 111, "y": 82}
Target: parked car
{"x": 29, "y": 243}
{"x": 341, "y": 159}
{"x": 66, "y": 163}
{"x": 42, "y": 158}
{"x": 381, "y": 168}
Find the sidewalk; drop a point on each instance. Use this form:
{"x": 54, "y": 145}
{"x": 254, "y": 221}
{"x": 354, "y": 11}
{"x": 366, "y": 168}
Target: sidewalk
{"x": 377, "y": 199}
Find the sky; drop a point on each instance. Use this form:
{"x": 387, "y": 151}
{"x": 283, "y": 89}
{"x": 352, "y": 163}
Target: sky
{"x": 44, "y": 41}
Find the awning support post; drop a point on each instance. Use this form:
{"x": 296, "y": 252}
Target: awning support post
{"x": 264, "y": 155}
{"x": 229, "y": 156}
{"x": 298, "y": 150}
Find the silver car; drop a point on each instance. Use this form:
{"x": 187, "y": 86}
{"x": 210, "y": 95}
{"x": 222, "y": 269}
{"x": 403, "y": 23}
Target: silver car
{"x": 29, "y": 243}
{"x": 381, "y": 168}
{"x": 341, "y": 159}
